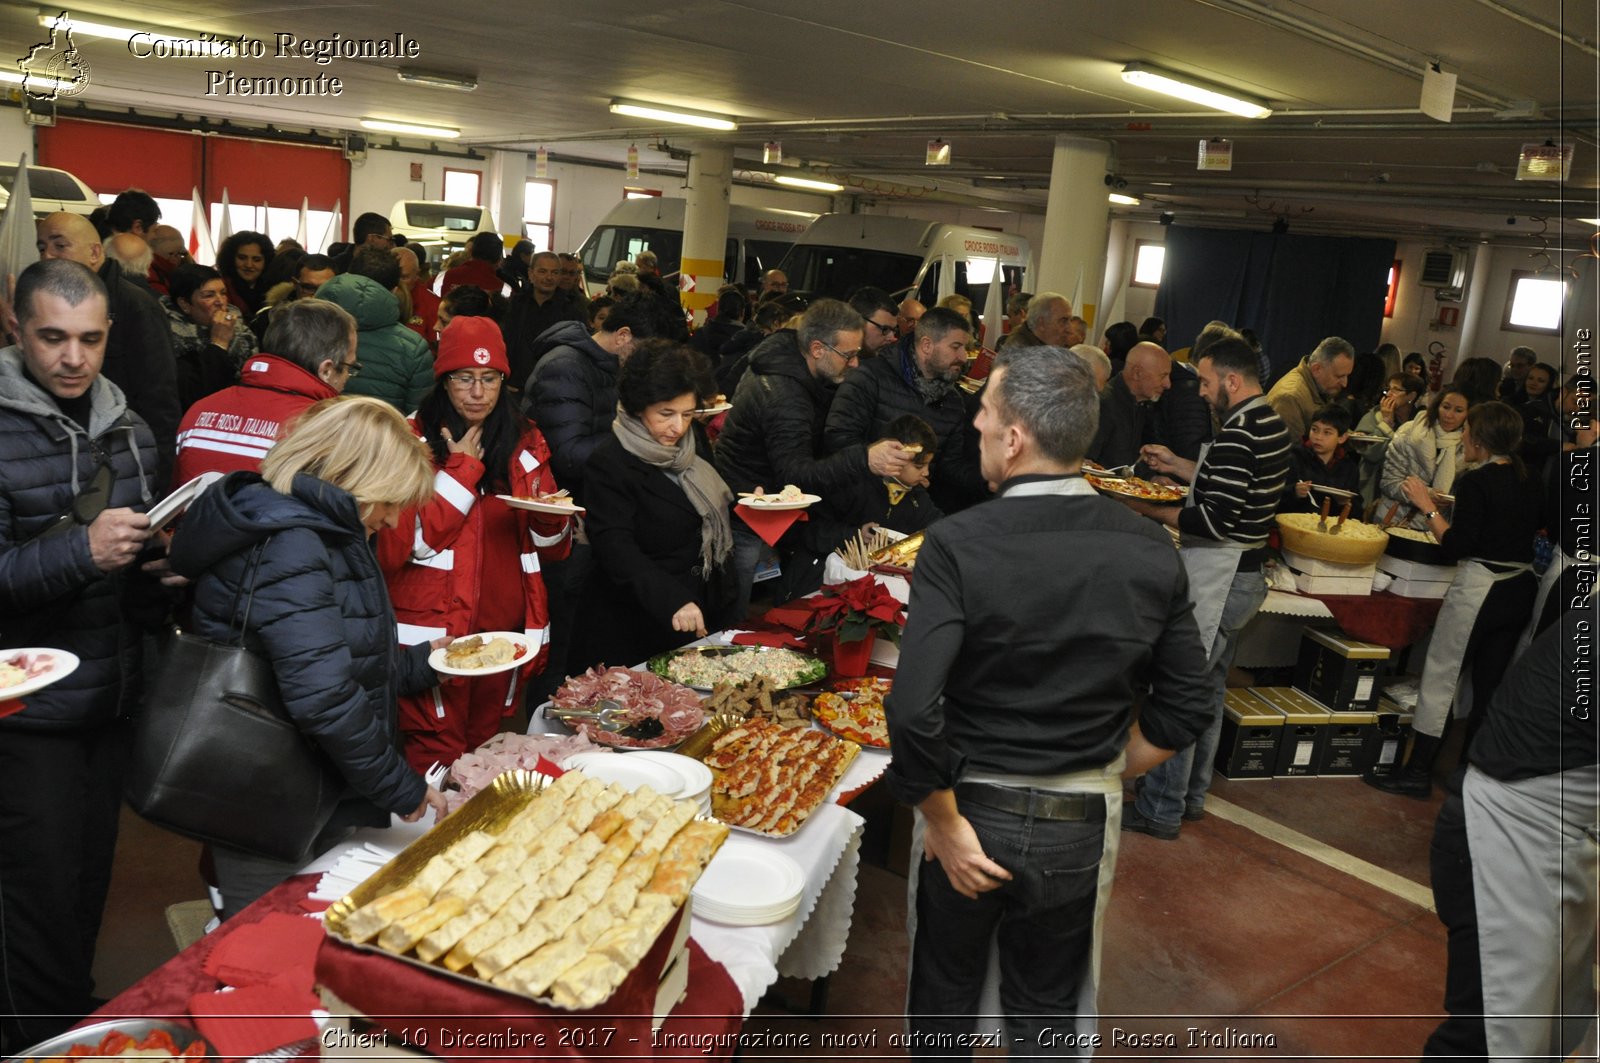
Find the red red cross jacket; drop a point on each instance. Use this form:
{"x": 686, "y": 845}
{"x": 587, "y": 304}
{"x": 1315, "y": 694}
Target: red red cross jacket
{"x": 235, "y": 427}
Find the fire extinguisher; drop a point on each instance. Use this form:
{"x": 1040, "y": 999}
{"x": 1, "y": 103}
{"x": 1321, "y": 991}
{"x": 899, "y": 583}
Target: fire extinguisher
{"x": 1436, "y": 353}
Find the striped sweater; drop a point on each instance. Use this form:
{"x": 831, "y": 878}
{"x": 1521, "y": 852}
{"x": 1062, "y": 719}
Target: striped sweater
{"x": 1238, "y": 485}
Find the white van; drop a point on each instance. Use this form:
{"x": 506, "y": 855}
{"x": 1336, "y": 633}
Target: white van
{"x": 757, "y": 238}
{"x": 904, "y": 256}
{"x": 439, "y": 228}
{"x": 51, "y": 191}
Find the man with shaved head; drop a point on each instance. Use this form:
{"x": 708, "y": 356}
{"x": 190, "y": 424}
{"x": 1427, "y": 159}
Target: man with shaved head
{"x": 129, "y": 251}
{"x": 168, "y": 251}
{"x": 1127, "y": 406}
{"x": 138, "y": 356}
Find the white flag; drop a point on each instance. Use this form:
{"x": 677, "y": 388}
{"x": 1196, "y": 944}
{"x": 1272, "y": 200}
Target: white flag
{"x": 19, "y": 246}
{"x": 335, "y": 225}
{"x": 225, "y": 225}
{"x": 201, "y": 247}
{"x": 300, "y": 231}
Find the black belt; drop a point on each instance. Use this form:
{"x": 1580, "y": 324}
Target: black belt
{"x": 1040, "y": 804}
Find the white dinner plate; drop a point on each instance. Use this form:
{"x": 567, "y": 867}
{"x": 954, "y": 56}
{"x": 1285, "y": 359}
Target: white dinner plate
{"x": 696, "y": 777}
{"x": 162, "y": 513}
{"x": 436, "y": 658}
{"x": 62, "y": 663}
{"x": 632, "y": 772}
{"x": 540, "y": 507}
{"x": 748, "y": 883}
{"x": 721, "y": 407}
{"x": 760, "y": 502}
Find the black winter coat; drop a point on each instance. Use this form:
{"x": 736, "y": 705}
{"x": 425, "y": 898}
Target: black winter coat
{"x": 734, "y": 358}
{"x": 646, "y": 538}
{"x": 573, "y": 401}
{"x": 878, "y": 392}
{"x": 1185, "y": 416}
{"x": 51, "y": 592}
{"x": 139, "y": 361}
{"x": 1125, "y": 426}
{"x": 320, "y": 613}
{"x": 561, "y": 334}
{"x": 710, "y": 337}
{"x": 525, "y": 319}
{"x": 773, "y": 434}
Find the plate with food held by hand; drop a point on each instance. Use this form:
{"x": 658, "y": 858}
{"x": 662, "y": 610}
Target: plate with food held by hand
{"x": 31, "y": 669}
{"x": 559, "y": 504}
{"x": 791, "y": 497}
{"x": 483, "y": 654}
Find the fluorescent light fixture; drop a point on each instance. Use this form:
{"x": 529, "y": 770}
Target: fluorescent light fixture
{"x": 676, "y": 115}
{"x": 807, "y": 182}
{"x": 1155, "y": 79}
{"x": 1123, "y": 200}
{"x": 437, "y": 81}
{"x": 98, "y": 29}
{"x": 408, "y": 127}
{"x": 1590, "y": 221}
{"x": 40, "y": 82}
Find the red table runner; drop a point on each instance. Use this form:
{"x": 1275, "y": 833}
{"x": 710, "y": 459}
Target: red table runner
{"x": 701, "y": 1027}
{"x": 1384, "y": 618}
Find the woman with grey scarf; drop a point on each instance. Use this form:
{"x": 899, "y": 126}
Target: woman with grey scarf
{"x": 658, "y": 517}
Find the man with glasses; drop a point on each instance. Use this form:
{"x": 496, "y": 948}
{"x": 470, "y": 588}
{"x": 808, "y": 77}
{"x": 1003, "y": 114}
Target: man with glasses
{"x": 774, "y": 285}
{"x": 878, "y": 311}
{"x": 571, "y": 283}
{"x": 314, "y": 272}
{"x": 773, "y": 435}
{"x": 919, "y": 379}
{"x": 370, "y": 230}
{"x": 313, "y": 345}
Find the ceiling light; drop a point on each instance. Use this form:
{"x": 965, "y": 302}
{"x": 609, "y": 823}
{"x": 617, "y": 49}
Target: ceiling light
{"x": 438, "y": 81}
{"x": 1590, "y": 221}
{"x": 1123, "y": 200}
{"x": 407, "y": 127}
{"x": 99, "y": 29}
{"x": 808, "y": 182}
{"x": 1157, "y": 80}
{"x": 676, "y": 115}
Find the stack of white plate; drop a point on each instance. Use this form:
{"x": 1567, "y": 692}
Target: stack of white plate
{"x": 748, "y": 883}
{"x": 671, "y": 774}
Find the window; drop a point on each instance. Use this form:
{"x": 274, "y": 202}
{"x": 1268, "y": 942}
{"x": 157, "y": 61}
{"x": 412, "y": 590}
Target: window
{"x": 628, "y": 192}
{"x": 539, "y": 214}
{"x": 1394, "y": 289}
{"x": 463, "y": 187}
{"x": 1148, "y": 258}
{"x": 1534, "y": 302}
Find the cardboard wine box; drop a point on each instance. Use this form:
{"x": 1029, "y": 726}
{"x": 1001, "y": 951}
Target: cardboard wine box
{"x": 1386, "y": 746}
{"x": 1251, "y": 731}
{"x": 1305, "y": 730}
{"x": 1350, "y": 739}
{"x": 1339, "y": 672}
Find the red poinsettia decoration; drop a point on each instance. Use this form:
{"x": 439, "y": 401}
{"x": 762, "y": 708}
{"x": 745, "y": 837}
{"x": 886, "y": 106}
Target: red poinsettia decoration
{"x": 851, "y": 609}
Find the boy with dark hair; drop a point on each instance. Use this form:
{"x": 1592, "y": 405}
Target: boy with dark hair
{"x": 1322, "y": 461}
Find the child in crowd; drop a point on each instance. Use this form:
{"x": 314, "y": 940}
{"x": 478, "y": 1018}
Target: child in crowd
{"x": 1321, "y": 461}
{"x": 901, "y": 505}
{"x": 1402, "y": 398}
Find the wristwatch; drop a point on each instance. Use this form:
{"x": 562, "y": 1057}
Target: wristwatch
{"x": 1430, "y": 516}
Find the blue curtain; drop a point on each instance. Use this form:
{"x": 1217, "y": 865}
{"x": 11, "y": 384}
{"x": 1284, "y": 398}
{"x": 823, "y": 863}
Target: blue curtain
{"x": 1292, "y": 290}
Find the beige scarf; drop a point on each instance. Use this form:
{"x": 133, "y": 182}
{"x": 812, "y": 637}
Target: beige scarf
{"x": 1447, "y": 453}
{"x": 707, "y": 493}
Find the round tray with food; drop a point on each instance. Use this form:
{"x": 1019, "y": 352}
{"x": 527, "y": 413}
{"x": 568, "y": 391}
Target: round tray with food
{"x": 148, "y": 1040}
{"x": 854, "y": 710}
{"x": 1412, "y": 544}
{"x": 1135, "y": 487}
{"x": 703, "y": 667}
{"x": 653, "y": 712}
{"x": 486, "y": 653}
{"x": 1354, "y": 543}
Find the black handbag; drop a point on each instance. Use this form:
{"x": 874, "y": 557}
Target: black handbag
{"x": 217, "y": 758}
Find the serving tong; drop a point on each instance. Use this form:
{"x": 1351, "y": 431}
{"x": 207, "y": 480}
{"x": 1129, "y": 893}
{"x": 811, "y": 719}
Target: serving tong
{"x": 604, "y": 716}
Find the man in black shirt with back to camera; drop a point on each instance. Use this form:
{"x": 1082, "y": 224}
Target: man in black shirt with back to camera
{"x": 1012, "y": 714}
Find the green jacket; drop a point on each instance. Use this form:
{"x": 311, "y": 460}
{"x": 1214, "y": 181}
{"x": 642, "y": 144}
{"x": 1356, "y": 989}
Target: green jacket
{"x": 396, "y": 364}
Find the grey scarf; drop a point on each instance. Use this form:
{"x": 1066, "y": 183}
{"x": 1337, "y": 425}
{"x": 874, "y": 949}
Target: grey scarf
{"x": 707, "y": 493}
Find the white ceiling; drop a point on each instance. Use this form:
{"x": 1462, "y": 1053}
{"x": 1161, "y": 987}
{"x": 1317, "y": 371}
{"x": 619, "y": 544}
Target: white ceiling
{"x": 856, "y": 90}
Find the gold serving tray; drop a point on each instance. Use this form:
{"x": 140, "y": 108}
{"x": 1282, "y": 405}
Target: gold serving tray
{"x": 491, "y": 809}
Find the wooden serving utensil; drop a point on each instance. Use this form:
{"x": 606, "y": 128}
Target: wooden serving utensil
{"x": 1343, "y": 515}
{"x": 1327, "y": 504}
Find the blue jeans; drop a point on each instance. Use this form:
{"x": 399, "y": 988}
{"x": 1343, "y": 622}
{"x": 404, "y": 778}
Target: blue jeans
{"x": 1180, "y": 784}
{"x": 1045, "y": 922}
{"x": 747, "y": 549}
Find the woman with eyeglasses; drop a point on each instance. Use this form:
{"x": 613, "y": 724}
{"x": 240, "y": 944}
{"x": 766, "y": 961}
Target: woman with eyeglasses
{"x": 658, "y": 517}
{"x": 467, "y": 562}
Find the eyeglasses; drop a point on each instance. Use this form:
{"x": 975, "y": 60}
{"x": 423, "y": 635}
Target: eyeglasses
{"x": 887, "y": 330}
{"x": 849, "y": 356}
{"x": 467, "y": 381}
{"x": 351, "y": 368}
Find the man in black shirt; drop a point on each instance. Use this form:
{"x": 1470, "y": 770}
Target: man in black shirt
{"x": 1011, "y": 716}
{"x": 1514, "y": 860}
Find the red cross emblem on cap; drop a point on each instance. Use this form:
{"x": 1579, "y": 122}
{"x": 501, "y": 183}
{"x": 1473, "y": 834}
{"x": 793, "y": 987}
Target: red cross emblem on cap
{"x": 481, "y": 356}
